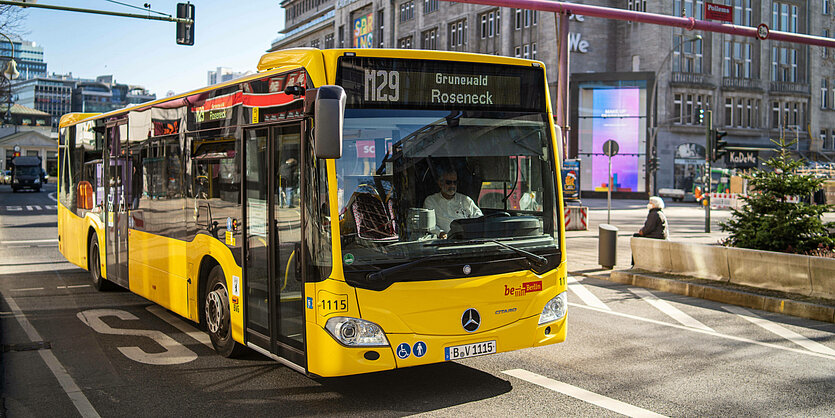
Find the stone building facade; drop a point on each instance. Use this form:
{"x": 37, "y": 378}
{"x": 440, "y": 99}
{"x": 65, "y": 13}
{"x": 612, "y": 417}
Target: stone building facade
{"x": 755, "y": 90}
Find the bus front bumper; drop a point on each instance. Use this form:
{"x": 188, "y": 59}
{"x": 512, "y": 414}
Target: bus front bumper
{"x": 329, "y": 358}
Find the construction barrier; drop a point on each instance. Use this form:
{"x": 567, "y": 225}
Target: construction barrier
{"x": 576, "y": 218}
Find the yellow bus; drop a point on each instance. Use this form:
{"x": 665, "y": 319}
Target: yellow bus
{"x": 340, "y": 211}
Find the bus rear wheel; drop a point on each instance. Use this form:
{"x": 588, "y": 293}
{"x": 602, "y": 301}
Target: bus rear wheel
{"x": 217, "y": 315}
{"x": 94, "y": 265}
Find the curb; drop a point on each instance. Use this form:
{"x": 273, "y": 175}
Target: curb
{"x": 784, "y": 306}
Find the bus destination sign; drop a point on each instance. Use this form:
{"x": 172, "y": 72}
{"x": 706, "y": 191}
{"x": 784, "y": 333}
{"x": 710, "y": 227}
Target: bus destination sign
{"x": 400, "y": 83}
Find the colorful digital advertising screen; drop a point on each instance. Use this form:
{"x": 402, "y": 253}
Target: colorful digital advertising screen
{"x": 364, "y": 31}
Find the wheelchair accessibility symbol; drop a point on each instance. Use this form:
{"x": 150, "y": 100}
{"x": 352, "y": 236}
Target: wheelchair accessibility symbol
{"x": 403, "y": 351}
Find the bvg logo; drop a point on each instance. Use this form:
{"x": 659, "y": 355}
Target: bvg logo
{"x": 524, "y": 289}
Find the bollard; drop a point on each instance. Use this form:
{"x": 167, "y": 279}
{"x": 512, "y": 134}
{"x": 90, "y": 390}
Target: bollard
{"x": 607, "y": 246}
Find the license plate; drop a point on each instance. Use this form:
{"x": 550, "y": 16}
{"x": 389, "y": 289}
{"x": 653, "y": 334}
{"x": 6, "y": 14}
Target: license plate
{"x": 469, "y": 350}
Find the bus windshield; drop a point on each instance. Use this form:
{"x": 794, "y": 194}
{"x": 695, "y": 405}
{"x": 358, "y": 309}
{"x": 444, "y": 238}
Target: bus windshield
{"x": 470, "y": 192}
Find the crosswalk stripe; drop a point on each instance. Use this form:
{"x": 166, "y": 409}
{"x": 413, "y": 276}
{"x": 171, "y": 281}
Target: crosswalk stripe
{"x": 701, "y": 331}
{"x": 582, "y": 394}
{"x": 587, "y": 297}
{"x": 181, "y": 325}
{"x": 779, "y": 330}
{"x": 668, "y": 309}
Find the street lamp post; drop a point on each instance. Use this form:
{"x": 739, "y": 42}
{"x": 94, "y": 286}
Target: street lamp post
{"x": 653, "y": 130}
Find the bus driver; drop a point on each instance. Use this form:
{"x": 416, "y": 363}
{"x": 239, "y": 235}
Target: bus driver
{"x": 449, "y": 205}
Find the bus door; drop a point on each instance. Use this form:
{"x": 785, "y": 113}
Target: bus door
{"x": 274, "y": 298}
{"x": 116, "y": 182}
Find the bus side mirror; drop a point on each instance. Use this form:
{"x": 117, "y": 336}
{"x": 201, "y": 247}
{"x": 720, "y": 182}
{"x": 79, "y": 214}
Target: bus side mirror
{"x": 329, "y": 115}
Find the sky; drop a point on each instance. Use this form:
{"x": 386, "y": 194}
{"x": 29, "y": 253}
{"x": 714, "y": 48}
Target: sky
{"x": 228, "y": 33}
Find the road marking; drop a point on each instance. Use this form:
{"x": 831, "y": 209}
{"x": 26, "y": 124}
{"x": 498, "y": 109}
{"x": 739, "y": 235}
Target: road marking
{"x": 76, "y": 286}
{"x": 587, "y": 297}
{"x": 181, "y": 325}
{"x": 669, "y": 310}
{"x": 779, "y": 330}
{"x": 28, "y": 289}
{"x": 14, "y": 208}
{"x": 175, "y": 353}
{"x": 33, "y": 206}
{"x": 31, "y": 241}
{"x": 82, "y": 404}
{"x": 613, "y": 405}
{"x": 701, "y": 331}
{"x": 53, "y": 196}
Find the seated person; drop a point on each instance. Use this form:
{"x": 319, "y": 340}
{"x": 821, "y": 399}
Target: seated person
{"x": 448, "y": 204}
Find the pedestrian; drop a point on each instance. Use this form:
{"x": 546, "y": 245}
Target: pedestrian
{"x": 656, "y": 223}
{"x": 288, "y": 181}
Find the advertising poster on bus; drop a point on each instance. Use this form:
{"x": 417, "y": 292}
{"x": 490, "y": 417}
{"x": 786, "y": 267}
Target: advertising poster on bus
{"x": 364, "y": 31}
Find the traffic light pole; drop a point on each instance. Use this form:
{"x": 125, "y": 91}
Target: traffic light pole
{"x": 708, "y": 155}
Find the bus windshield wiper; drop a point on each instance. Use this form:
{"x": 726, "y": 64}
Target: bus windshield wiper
{"x": 538, "y": 260}
{"x": 380, "y": 275}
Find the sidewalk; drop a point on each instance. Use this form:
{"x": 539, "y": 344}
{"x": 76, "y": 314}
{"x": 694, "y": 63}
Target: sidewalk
{"x": 686, "y": 224}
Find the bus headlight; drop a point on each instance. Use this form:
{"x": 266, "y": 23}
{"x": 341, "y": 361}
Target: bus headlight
{"x": 356, "y": 332}
{"x": 554, "y": 309}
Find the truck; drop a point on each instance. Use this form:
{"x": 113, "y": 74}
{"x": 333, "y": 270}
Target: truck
{"x": 26, "y": 173}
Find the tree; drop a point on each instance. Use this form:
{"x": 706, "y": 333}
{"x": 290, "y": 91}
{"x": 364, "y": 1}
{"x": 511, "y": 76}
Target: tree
{"x": 769, "y": 222}
{"x": 12, "y": 20}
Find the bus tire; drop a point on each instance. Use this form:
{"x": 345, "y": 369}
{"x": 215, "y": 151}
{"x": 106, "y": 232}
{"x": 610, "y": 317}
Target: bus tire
{"x": 218, "y": 317}
{"x": 94, "y": 265}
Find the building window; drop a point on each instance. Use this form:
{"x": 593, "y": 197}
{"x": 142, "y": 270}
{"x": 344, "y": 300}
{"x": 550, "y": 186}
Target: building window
{"x": 533, "y": 51}
{"x": 687, "y": 56}
{"x": 784, "y": 17}
{"x": 688, "y": 8}
{"x": 825, "y": 8}
{"x": 314, "y": 43}
{"x": 824, "y": 94}
{"x": 342, "y": 36}
{"x": 517, "y": 52}
{"x": 329, "y": 41}
{"x": 784, "y": 64}
{"x": 490, "y": 24}
{"x": 407, "y": 11}
{"x": 381, "y": 28}
{"x": 737, "y": 62}
{"x": 527, "y": 51}
{"x": 518, "y": 19}
{"x": 743, "y": 13}
{"x": 686, "y": 108}
{"x": 636, "y": 5}
{"x": 824, "y": 143}
{"x": 457, "y": 34}
{"x": 429, "y": 39}
{"x": 527, "y": 18}
{"x": 825, "y": 34}
{"x": 430, "y": 6}
{"x": 405, "y": 43}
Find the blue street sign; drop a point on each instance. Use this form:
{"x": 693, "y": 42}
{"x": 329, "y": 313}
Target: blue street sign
{"x": 403, "y": 350}
{"x": 419, "y": 349}
{"x": 309, "y": 303}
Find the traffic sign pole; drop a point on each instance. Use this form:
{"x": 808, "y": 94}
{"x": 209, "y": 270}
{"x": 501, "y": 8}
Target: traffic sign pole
{"x": 708, "y": 153}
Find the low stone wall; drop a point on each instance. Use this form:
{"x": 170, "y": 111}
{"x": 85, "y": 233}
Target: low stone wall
{"x": 805, "y": 275}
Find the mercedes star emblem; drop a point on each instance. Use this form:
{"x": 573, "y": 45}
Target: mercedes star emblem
{"x": 471, "y": 320}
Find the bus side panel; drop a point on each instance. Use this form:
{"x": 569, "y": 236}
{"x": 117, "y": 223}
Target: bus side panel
{"x": 157, "y": 271}
{"x": 73, "y": 233}
{"x": 204, "y": 246}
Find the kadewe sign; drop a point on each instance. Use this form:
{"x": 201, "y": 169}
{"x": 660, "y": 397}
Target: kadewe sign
{"x": 719, "y": 12}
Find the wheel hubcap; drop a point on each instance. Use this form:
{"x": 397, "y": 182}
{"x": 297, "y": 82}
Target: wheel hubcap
{"x": 217, "y": 310}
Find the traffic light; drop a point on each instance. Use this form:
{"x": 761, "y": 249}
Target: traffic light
{"x": 717, "y": 146}
{"x": 185, "y": 31}
{"x": 701, "y": 116}
{"x": 652, "y": 164}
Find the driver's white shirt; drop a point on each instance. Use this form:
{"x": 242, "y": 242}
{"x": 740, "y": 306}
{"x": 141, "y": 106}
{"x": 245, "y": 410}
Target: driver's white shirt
{"x": 448, "y": 210}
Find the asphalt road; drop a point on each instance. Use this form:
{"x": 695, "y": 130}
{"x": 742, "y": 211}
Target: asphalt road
{"x": 69, "y": 350}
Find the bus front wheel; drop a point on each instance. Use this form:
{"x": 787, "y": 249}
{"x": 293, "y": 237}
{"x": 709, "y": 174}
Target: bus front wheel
{"x": 94, "y": 265}
{"x": 217, "y": 315}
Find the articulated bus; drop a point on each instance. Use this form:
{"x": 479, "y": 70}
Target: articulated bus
{"x": 285, "y": 211}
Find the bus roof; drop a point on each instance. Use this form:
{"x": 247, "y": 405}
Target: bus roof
{"x": 288, "y": 59}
